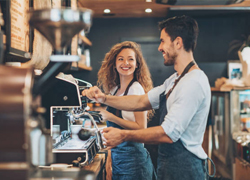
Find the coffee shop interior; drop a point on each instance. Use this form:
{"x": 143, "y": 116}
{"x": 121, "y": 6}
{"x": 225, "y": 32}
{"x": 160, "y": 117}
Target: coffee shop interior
{"x": 51, "y": 50}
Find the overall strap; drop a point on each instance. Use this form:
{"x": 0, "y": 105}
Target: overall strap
{"x": 182, "y": 74}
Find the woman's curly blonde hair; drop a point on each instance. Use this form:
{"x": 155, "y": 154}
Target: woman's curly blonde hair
{"x": 108, "y": 77}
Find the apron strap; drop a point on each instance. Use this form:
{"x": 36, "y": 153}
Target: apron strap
{"x": 182, "y": 74}
{"x": 118, "y": 87}
{"x": 206, "y": 167}
{"x": 118, "y": 112}
{"x": 129, "y": 85}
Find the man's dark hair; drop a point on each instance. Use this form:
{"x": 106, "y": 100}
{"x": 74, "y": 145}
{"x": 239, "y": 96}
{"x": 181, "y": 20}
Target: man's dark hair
{"x": 184, "y": 27}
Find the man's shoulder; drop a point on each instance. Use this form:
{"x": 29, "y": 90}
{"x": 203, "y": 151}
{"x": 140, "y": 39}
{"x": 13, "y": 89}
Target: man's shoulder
{"x": 194, "y": 80}
{"x": 196, "y": 75}
{"x": 196, "y": 72}
{"x": 197, "y": 80}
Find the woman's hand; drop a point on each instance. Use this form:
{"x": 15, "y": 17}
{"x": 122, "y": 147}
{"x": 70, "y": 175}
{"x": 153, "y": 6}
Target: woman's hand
{"x": 106, "y": 115}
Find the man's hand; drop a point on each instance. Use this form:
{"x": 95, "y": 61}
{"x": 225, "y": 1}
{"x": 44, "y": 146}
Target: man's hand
{"x": 112, "y": 137}
{"x": 95, "y": 94}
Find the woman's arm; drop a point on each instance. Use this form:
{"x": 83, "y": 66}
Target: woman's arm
{"x": 139, "y": 123}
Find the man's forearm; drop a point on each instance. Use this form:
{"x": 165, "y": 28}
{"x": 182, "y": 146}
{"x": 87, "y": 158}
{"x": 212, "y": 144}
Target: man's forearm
{"x": 128, "y": 103}
{"x": 152, "y": 135}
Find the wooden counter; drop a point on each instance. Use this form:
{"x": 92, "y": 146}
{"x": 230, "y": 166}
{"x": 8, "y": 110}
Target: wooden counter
{"x": 242, "y": 169}
{"x": 98, "y": 165}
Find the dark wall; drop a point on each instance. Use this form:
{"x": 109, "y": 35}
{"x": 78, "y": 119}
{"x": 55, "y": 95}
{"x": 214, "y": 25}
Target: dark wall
{"x": 217, "y": 30}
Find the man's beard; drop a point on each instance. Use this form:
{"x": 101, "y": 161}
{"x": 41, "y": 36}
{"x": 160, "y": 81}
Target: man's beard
{"x": 170, "y": 59}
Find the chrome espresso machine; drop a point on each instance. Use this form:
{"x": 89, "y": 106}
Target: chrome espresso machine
{"x": 67, "y": 111}
{"x": 41, "y": 116}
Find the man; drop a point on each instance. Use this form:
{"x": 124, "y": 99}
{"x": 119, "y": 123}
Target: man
{"x": 183, "y": 100}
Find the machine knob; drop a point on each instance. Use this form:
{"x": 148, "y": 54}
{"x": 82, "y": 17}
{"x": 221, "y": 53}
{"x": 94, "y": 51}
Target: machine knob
{"x": 75, "y": 163}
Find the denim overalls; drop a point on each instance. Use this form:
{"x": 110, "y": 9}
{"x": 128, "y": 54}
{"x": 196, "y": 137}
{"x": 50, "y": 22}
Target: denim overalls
{"x": 130, "y": 160}
{"x": 174, "y": 161}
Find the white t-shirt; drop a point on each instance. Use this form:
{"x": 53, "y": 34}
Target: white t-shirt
{"x": 135, "y": 89}
{"x": 188, "y": 107}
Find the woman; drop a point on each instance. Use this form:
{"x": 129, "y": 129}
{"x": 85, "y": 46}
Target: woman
{"x": 125, "y": 72}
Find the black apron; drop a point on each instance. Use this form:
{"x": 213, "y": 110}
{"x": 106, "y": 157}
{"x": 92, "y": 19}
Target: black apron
{"x": 130, "y": 160}
{"x": 175, "y": 162}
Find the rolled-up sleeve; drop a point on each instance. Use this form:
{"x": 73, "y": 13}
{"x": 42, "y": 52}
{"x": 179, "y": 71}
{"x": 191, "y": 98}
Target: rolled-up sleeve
{"x": 153, "y": 96}
{"x": 183, "y": 104}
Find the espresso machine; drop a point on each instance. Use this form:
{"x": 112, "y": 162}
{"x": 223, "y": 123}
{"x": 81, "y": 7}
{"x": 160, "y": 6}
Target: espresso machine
{"x": 28, "y": 147}
{"x": 68, "y": 113}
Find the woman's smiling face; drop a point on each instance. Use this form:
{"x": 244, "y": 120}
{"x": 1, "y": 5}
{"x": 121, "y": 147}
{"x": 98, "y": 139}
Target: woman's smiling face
{"x": 126, "y": 62}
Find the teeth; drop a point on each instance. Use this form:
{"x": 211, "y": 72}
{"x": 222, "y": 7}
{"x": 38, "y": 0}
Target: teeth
{"x": 125, "y": 68}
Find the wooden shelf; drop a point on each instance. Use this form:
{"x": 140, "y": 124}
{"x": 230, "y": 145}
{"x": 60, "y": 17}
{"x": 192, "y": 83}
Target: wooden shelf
{"x": 80, "y": 66}
{"x": 84, "y": 67}
{"x": 98, "y": 165}
{"x": 85, "y": 40}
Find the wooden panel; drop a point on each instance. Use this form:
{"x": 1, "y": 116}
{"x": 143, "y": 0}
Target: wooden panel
{"x": 16, "y": 29}
{"x": 42, "y": 49}
{"x": 126, "y": 8}
{"x": 19, "y": 25}
{"x": 242, "y": 170}
{"x": 74, "y": 42}
{"x": 136, "y": 8}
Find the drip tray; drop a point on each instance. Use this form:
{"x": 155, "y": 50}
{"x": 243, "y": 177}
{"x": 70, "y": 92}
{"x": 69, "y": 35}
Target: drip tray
{"x": 85, "y": 155}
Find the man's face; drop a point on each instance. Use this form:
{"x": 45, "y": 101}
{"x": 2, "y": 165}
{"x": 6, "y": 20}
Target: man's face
{"x": 167, "y": 48}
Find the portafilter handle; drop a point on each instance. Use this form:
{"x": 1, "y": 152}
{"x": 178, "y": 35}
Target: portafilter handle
{"x": 84, "y": 134}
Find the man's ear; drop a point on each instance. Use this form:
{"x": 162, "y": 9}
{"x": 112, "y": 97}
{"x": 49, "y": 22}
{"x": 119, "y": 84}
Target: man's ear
{"x": 178, "y": 42}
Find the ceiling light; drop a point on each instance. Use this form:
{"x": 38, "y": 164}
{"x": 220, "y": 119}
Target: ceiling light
{"x": 148, "y": 10}
{"x": 148, "y": 0}
{"x": 106, "y": 11}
